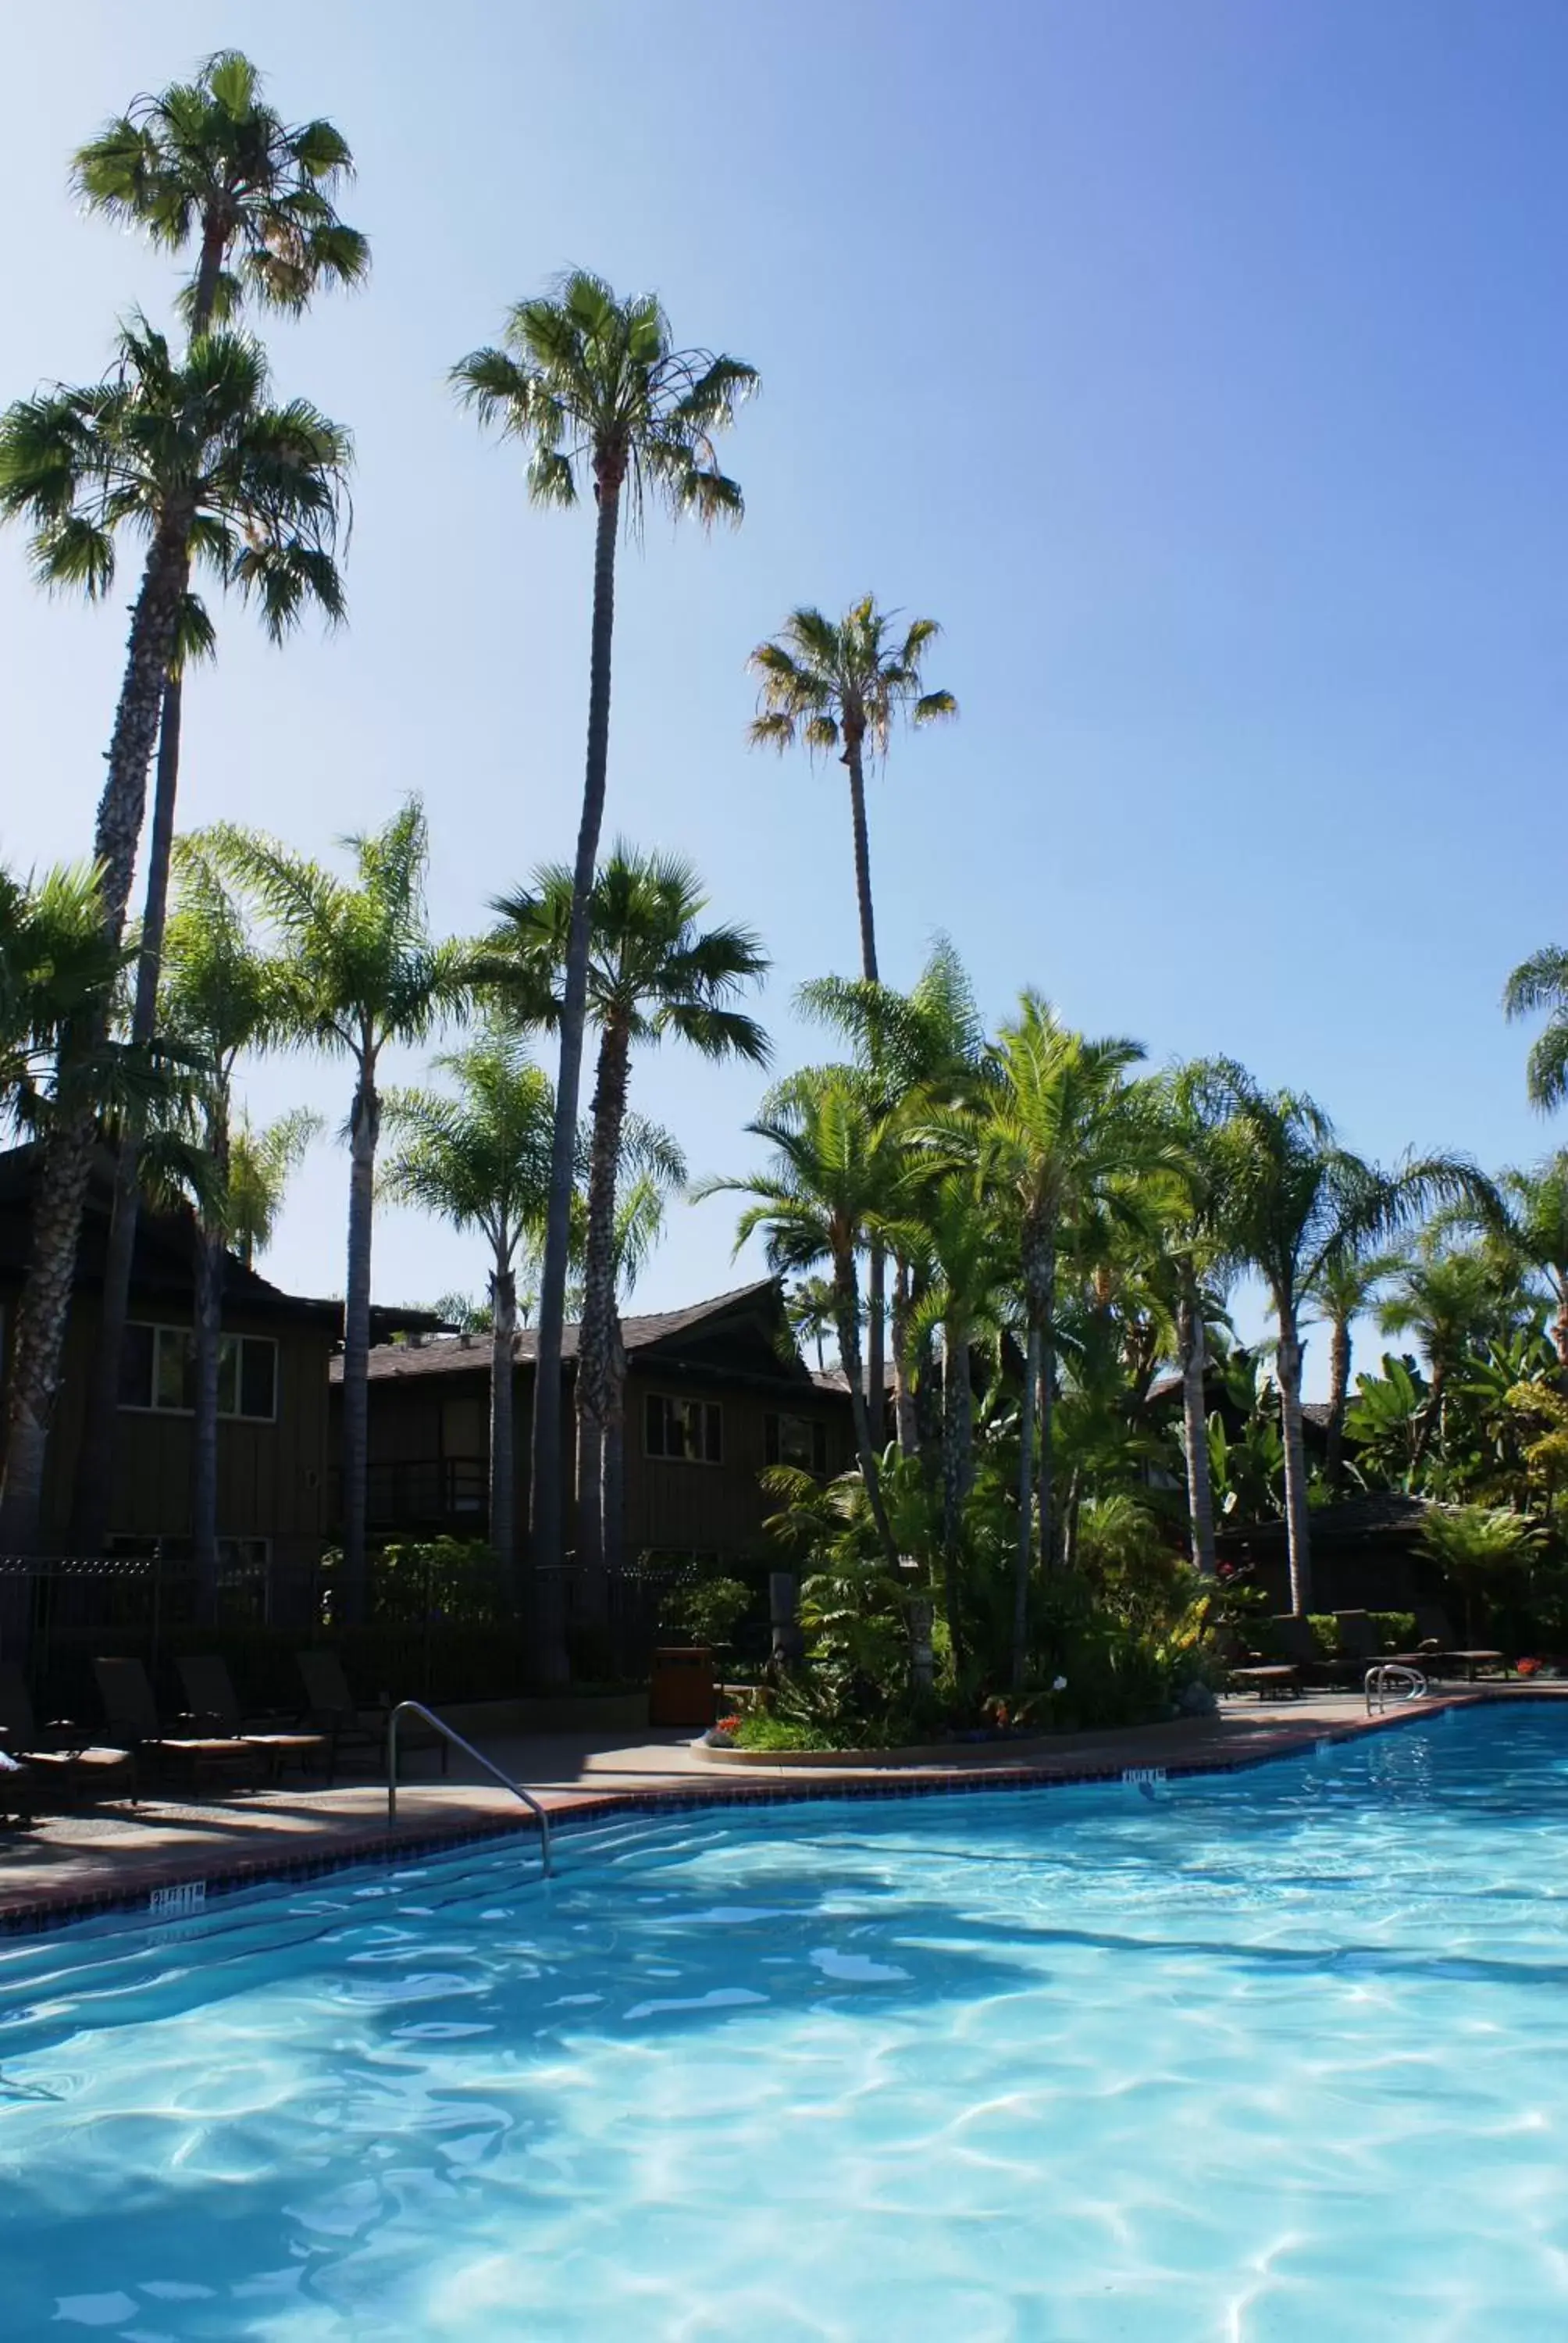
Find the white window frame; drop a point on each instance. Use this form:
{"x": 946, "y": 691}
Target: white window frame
{"x": 185, "y": 1336}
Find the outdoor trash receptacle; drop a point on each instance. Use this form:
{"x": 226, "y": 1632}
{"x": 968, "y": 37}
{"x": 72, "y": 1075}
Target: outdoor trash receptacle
{"x": 681, "y": 1688}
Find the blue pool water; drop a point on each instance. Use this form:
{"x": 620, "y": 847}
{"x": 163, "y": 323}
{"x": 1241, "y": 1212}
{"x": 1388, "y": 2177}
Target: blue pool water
{"x": 1272, "y": 2058}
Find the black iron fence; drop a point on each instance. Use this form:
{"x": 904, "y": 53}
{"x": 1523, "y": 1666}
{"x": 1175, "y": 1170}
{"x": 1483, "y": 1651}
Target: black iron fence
{"x": 424, "y": 1637}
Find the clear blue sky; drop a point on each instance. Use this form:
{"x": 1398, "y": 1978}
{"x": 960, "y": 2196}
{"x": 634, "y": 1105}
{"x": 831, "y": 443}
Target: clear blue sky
{"x": 1203, "y": 369}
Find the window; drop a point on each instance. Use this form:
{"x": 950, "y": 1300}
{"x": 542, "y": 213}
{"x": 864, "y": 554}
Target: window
{"x": 686, "y": 1431}
{"x": 800, "y": 1441}
{"x": 157, "y": 1370}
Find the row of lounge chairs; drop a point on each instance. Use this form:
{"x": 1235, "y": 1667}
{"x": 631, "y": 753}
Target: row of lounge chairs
{"x": 1294, "y": 1663}
{"x": 63, "y": 1762}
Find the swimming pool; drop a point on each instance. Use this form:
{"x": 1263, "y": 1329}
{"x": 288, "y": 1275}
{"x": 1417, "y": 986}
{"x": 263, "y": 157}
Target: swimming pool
{"x": 1258, "y": 2059}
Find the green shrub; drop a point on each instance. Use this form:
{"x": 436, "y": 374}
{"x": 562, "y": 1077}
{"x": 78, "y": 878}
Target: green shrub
{"x": 709, "y": 1610}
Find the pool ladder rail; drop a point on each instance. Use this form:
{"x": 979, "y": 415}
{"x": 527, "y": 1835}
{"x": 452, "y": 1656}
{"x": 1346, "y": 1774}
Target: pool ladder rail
{"x": 1390, "y": 1679}
{"x": 417, "y": 1708}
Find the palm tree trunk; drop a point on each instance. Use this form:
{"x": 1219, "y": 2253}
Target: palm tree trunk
{"x": 545, "y": 1486}
{"x": 876, "y": 1342}
{"x": 1431, "y": 1419}
{"x": 906, "y": 1421}
{"x": 957, "y": 1428}
{"x": 847, "y": 1313}
{"x": 596, "y": 1335}
{"x": 612, "y": 1506}
{"x": 853, "y": 762}
{"x": 1039, "y": 1282}
{"x": 503, "y": 1475}
{"x": 364, "y": 1131}
{"x": 1297, "y": 1533}
{"x": 95, "y": 1458}
{"x": 1025, "y": 1509}
{"x": 1190, "y": 1347}
{"x": 1339, "y": 1391}
{"x": 204, "y": 1424}
{"x": 44, "y": 1305}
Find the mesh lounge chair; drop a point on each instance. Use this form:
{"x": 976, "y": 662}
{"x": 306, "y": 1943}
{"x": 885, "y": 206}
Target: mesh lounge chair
{"x": 331, "y": 1708}
{"x": 213, "y": 1705}
{"x": 62, "y": 1754}
{"x": 132, "y": 1716}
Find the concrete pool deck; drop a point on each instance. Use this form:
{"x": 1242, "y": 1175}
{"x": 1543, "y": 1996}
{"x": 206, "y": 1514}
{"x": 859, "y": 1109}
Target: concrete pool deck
{"x": 115, "y": 1855}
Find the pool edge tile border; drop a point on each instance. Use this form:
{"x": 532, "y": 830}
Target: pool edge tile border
{"x": 64, "y": 1906}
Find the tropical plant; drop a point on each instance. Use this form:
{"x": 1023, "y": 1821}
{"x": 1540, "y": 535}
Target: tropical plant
{"x": 654, "y": 971}
{"x": 1386, "y": 1419}
{"x": 57, "y": 969}
{"x": 594, "y": 388}
{"x": 481, "y": 1160}
{"x": 1451, "y": 1300}
{"x": 1298, "y": 1198}
{"x": 835, "y": 1168}
{"x": 1483, "y": 1549}
{"x": 1345, "y": 1288}
{"x": 362, "y": 972}
{"x": 209, "y": 162}
{"x": 260, "y": 1166}
{"x": 1060, "y": 1139}
{"x": 1534, "y": 1233}
{"x": 221, "y": 997}
{"x": 191, "y": 454}
{"x": 840, "y": 685}
{"x": 1541, "y": 982}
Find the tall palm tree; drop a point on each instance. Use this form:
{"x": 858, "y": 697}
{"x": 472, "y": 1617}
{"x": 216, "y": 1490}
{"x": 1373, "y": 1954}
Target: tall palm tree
{"x": 1345, "y": 1288}
{"x": 593, "y": 386}
{"x": 639, "y": 1226}
{"x": 481, "y": 1160}
{"x": 363, "y": 973}
{"x": 206, "y": 162}
{"x": 209, "y": 161}
{"x": 260, "y": 1165}
{"x": 840, "y": 685}
{"x": 220, "y": 996}
{"x": 191, "y": 454}
{"x": 1298, "y": 1198}
{"x": 653, "y": 971}
{"x": 836, "y": 1168}
{"x": 1059, "y": 1140}
{"x": 58, "y": 968}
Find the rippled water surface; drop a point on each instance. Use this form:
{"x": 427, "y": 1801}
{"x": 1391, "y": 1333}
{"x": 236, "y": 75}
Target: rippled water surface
{"x": 1272, "y": 2059}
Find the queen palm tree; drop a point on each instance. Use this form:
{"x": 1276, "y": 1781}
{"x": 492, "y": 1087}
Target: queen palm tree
{"x": 480, "y": 1160}
{"x": 363, "y": 972}
{"x": 835, "y": 1169}
{"x": 206, "y": 162}
{"x": 1541, "y": 982}
{"x": 1535, "y": 1231}
{"x": 1060, "y": 1139}
{"x": 1346, "y": 1288}
{"x": 653, "y": 971}
{"x": 57, "y": 968}
{"x": 260, "y": 1166}
{"x": 221, "y": 997}
{"x": 191, "y": 454}
{"x": 840, "y": 685}
{"x": 1451, "y": 1299}
{"x": 1298, "y": 1198}
{"x": 594, "y": 386}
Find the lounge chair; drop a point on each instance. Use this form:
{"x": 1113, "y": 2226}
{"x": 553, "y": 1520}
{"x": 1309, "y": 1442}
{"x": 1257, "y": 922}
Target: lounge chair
{"x": 209, "y": 1690}
{"x": 62, "y": 1753}
{"x": 132, "y": 1717}
{"x": 1437, "y": 1641}
{"x": 1265, "y": 1677}
{"x": 331, "y": 1708}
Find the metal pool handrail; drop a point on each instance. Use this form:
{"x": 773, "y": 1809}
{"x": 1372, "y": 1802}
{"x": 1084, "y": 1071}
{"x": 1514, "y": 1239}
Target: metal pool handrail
{"x": 1392, "y": 1677}
{"x": 479, "y": 1758}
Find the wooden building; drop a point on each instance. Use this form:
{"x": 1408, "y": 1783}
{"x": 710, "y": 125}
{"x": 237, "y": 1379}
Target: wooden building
{"x": 273, "y": 1430}
{"x": 714, "y": 1393}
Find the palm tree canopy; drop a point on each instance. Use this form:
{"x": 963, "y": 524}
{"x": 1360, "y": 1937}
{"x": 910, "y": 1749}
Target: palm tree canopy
{"x": 1451, "y": 1299}
{"x": 1540, "y": 983}
{"x": 259, "y": 1165}
{"x": 1535, "y": 1228}
{"x": 57, "y": 967}
{"x": 481, "y": 1159}
{"x": 160, "y": 445}
{"x": 826, "y": 681}
{"x": 593, "y": 387}
{"x": 652, "y": 970}
{"x": 836, "y": 1166}
{"x": 210, "y": 158}
{"x": 360, "y": 966}
{"x": 217, "y": 991}
{"x": 931, "y": 1037}
{"x": 1062, "y": 1131}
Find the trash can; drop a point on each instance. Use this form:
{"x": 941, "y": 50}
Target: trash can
{"x": 680, "y": 1687}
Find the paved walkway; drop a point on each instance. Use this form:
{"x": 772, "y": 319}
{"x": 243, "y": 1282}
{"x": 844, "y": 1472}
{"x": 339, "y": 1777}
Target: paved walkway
{"x": 115, "y": 1855}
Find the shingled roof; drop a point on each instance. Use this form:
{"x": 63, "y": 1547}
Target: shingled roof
{"x": 459, "y": 1354}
